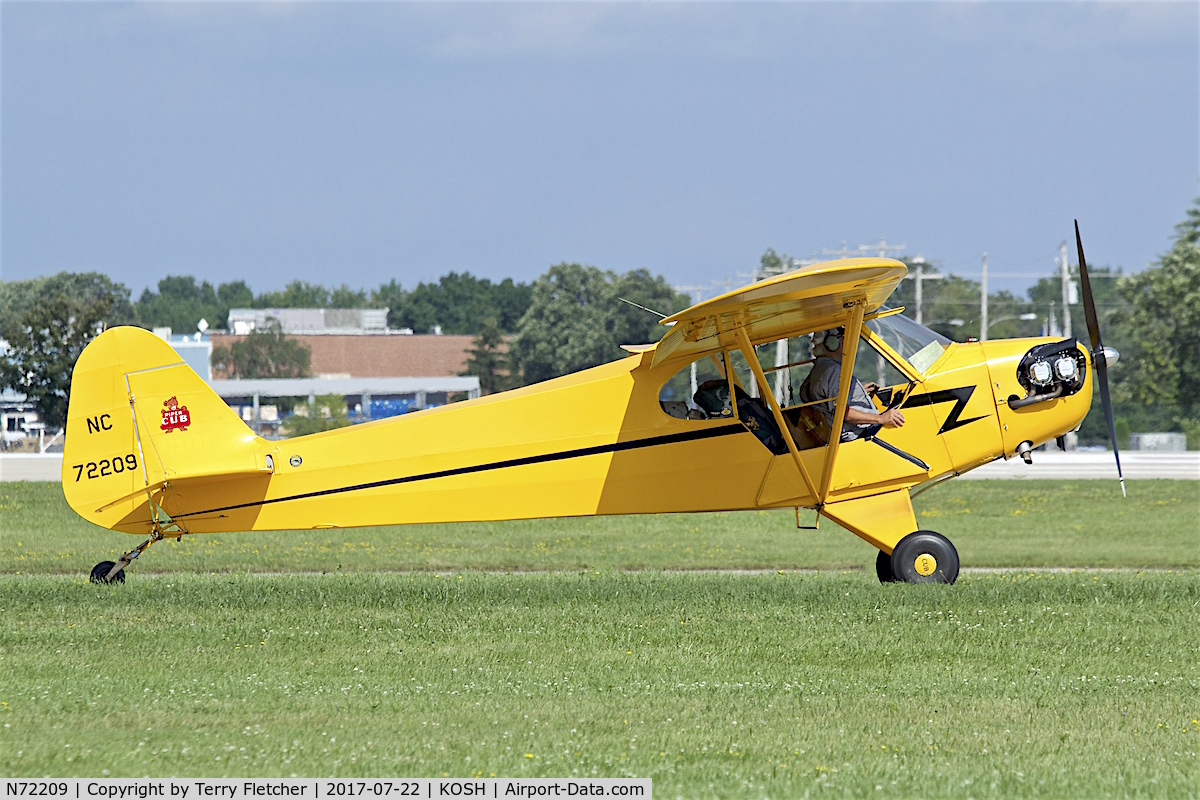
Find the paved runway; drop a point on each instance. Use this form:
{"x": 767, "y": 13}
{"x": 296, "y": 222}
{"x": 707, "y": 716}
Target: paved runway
{"x": 1053, "y": 465}
{"x": 31, "y": 467}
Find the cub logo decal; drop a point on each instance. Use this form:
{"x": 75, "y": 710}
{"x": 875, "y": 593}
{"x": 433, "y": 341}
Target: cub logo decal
{"x": 174, "y": 416}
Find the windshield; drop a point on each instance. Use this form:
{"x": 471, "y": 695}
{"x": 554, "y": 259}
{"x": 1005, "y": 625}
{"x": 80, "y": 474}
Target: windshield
{"x": 911, "y": 340}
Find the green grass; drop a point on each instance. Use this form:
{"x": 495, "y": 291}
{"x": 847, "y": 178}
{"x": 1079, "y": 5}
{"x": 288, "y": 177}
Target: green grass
{"x": 781, "y": 685}
{"x": 992, "y": 523}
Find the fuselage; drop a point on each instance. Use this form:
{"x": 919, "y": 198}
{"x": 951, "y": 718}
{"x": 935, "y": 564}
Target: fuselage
{"x": 599, "y": 442}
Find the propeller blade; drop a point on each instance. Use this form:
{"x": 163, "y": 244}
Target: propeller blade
{"x": 1089, "y": 305}
{"x": 1098, "y": 358}
{"x": 1106, "y": 401}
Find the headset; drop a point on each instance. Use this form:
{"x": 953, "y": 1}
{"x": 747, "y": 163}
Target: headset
{"x": 829, "y": 340}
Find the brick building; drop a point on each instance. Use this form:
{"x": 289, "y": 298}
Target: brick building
{"x": 376, "y": 356}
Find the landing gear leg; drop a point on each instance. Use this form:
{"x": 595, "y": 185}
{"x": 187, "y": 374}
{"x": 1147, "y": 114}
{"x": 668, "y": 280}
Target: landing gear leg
{"x": 114, "y": 572}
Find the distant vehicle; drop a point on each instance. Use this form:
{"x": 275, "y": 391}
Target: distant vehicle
{"x": 152, "y": 450}
{"x": 17, "y": 425}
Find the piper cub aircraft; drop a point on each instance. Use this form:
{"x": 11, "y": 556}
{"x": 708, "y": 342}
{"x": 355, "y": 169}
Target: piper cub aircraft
{"x": 708, "y": 419}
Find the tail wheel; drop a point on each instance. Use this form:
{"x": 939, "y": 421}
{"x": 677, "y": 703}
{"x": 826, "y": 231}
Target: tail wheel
{"x": 101, "y": 570}
{"x": 925, "y": 557}
{"x": 883, "y": 568}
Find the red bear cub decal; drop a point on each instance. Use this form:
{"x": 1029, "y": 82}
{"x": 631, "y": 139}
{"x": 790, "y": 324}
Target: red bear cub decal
{"x": 174, "y": 416}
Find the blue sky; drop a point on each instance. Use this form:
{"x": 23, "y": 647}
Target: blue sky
{"x": 360, "y": 142}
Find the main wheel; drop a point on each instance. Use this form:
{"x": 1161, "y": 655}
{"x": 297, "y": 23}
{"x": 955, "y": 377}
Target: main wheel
{"x": 883, "y": 568}
{"x": 100, "y": 573}
{"x": 925, "y": 557}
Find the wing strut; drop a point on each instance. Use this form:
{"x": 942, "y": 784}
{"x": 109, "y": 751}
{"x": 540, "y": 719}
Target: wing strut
{"x": 849, "y": 352}
{"x": 765, "y": 389}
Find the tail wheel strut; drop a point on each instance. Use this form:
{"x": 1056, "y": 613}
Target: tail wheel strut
{"x": 114, "y": 571}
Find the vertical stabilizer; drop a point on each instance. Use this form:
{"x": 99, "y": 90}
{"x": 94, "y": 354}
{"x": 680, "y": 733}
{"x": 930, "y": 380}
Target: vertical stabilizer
{"x": 139, "y": 420}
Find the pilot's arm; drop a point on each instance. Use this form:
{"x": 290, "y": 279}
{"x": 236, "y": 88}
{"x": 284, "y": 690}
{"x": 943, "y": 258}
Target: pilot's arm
{"x": 891, "y": 418}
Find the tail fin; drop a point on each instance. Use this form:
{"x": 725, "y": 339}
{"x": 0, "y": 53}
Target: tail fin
{"x": 142, "y": 424}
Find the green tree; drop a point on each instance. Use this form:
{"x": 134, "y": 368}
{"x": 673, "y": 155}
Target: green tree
{"x": 1162, "y": 365}
{"x": 1005, "y": 310}
{"x": 632, "y": 325}
{"x": 265, "y": 353}
{"x": 235, "y": 294}
{"x": 180, "y": 304}
{"x": 487, "y": 359}
{"x": 575, "y": 320}
{"x": 511, "y": 301}
{"x": 390, "y": 296}
{"x": 297, "y": 294}
{"x": 47, "y": 322}
{"x": 328, "y": 412}
{"x": 1046, "y": 294}
{"x": 459, "y": 303}
{"x": 773, "y": 263}
{"x": 345, "y": 297}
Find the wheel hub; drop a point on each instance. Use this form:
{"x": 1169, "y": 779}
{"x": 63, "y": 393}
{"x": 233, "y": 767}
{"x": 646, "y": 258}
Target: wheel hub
{"x": 925, "y": 564}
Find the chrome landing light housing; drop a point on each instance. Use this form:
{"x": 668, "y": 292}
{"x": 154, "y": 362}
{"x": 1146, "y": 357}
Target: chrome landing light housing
{"x": 1066, "y": 368}
{"x": 1040, "y": 373}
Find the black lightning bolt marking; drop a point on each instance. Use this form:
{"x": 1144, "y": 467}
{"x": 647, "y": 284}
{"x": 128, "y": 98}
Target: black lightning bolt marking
{"x": 960, "y": 396}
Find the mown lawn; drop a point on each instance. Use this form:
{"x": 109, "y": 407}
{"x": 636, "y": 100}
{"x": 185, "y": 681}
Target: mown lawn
{"x": 780, "y": 685}
{"x": 409, "y": 651}
{"x": 992, "y": 523}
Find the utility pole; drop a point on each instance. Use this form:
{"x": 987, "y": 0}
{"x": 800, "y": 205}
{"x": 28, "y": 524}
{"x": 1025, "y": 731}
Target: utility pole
{"x": 880, "y": 248}
{"x": 920, "y": 277}
{"x": 1066, "y": 290}
{"x": 696, "y": 292}
{"x": 839, "y": 253}
{"x": 983, "y": 301}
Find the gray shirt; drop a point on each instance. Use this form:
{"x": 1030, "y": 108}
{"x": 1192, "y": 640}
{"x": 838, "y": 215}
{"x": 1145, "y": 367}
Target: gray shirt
{"x": 823, "y": 382}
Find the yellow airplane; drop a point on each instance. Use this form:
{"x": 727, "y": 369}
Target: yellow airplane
{"x": 152, "y": 450}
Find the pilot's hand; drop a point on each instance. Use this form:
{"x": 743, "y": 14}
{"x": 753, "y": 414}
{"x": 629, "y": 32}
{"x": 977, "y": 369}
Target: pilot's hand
{"x": 892, "y": 418}
{"x": 871, "y": 387}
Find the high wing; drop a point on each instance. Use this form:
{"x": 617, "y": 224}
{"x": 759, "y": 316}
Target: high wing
{"x": 808, "y": 299}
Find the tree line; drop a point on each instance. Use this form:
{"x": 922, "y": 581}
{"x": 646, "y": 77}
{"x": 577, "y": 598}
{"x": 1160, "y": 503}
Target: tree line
{"x": 458, "y": 302}
{"x": 571, "y": 317}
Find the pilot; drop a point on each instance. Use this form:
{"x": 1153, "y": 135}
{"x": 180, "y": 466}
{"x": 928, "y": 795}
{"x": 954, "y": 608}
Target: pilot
{"x": 824, "y": 381}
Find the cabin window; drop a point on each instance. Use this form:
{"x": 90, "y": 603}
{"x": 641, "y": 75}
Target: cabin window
{"x": 870, "y": 366}
{"x": 785, "y": 363}
{"x": 912, "y": 341}
{"x": 809, "y": 426}
{"x": 678, "y": 396}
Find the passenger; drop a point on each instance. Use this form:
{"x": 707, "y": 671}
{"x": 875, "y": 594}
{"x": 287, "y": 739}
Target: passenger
{"x": 824, "y": 381}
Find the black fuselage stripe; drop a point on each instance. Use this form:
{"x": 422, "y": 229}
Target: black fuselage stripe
{"x": 617, "y": 447}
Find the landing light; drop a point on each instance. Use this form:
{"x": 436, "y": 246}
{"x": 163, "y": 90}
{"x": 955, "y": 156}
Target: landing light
{"x": 1040, "y": 372}
{"x": 1066, "y": 368}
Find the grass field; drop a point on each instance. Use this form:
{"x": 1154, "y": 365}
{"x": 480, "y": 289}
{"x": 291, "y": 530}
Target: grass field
{"x": 774, "y": 684}
{"x": 1043, "y": 685}
{"x": 992, "y": 523}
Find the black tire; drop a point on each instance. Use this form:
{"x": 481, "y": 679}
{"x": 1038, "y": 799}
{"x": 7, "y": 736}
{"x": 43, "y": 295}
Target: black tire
{"x": 925, "y": 557}
{"x": 100, "y": 573}
{"x": 883, "y": 568}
